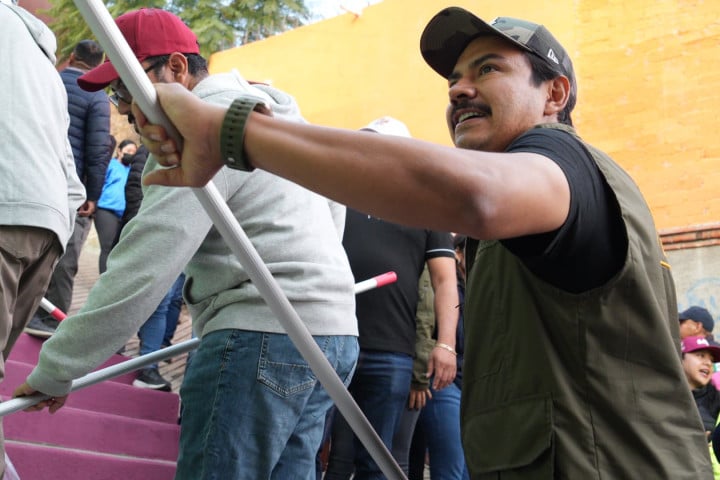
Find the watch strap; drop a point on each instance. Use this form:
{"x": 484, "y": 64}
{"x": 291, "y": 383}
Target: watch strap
{"x": 232, "y": 133}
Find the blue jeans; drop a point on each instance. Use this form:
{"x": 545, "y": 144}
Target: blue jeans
{"x": 440, "y": 421}
{"x": 173, "y": 310}
{"x": 152, "y": 332}
{"x": 380, "y": 387}
{"x": 403, "y": 438}
{"x": 253, "y": 408}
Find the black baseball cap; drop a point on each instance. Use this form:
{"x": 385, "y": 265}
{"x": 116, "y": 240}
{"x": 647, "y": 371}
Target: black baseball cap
{"x": 698, "y": 314}
{"x": 449, "y": 32}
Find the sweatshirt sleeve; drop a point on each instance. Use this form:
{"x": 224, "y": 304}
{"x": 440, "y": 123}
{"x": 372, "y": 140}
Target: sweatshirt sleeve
{"x": 153, "y": 249}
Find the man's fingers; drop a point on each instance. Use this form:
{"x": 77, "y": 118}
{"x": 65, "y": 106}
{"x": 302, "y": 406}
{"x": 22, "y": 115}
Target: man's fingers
{"x": 56, "y": 403}
{"x": 166, "y": 177}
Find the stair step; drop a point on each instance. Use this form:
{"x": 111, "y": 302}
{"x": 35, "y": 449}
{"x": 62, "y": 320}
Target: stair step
{"x": 107, "y": 397}
{"x": 27, "y": 350}
{"x": 96, "y": 432}
{"x": 45, "y": 462}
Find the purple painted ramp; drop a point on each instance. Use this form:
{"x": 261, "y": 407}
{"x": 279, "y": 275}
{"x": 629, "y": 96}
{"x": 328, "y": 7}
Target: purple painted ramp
{"x": 36, "y": 462}
{"x": 95, "y": 432}
{"x": 107, "y": 397}
{"x": 27, "y": 349}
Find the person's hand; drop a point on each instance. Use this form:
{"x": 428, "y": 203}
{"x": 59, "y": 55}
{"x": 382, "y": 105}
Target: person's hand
{"x": 198, "y": 159}
{"x": 86, "y": 209}
{"x": 443, "y": 366}
{"x": 53, "y": 403}
{"x": 418, "y": 398}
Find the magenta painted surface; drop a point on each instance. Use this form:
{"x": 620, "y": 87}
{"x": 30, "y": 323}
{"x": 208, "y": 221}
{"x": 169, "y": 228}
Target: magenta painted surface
{"x": 110, "y": 431}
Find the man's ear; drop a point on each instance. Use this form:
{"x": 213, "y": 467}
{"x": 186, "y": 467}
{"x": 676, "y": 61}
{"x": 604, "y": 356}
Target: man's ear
{"x": 558, "y": 95}
{"x": 178, "y": 64}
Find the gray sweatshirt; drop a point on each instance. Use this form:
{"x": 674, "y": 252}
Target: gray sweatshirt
{"x": 296, "y": 232}
{"x": 38, "y": 183}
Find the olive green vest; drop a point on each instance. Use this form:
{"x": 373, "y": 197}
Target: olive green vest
{"x": 579, "y": 386}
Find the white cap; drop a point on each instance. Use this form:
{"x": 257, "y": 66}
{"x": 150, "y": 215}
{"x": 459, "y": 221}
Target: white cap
{"x": 388, "y": 126}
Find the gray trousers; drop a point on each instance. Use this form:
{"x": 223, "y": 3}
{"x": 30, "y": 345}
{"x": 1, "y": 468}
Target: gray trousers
{"x": 27, "y": 257}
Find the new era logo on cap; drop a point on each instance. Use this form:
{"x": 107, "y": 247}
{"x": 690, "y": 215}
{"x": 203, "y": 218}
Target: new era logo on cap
{"x": 551, "y": 56}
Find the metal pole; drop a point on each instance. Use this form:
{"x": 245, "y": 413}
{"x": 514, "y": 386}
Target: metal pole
{"x": 108, "y": 34}
{"x": 21, "y": 403}
{"x": 50, "y": 308}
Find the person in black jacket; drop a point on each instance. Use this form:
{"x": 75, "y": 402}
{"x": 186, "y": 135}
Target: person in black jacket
{"x": 89, "y": 135}
{"x": 133, "y": 188}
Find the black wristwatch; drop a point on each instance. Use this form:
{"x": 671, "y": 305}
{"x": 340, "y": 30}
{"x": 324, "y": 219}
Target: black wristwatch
{"x": 232, "y": 131}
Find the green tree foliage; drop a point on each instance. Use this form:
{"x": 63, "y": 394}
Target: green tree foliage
{"x": 219, "y": 24}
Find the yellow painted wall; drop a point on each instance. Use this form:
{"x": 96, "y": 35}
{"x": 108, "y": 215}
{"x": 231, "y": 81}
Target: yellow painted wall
{"x": 648, "y": 74}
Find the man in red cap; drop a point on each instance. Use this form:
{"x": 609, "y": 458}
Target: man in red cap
{"x": 252, "y": 407}
{"x": 572, "y": 364}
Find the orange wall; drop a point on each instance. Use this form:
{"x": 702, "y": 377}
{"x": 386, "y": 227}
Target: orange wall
{"x": 648, "y": 74}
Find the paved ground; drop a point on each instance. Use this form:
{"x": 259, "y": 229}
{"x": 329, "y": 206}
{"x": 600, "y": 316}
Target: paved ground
{"x": 84, "y": 281}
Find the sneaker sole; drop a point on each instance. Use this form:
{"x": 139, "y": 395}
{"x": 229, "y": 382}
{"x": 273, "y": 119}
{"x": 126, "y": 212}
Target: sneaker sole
{"x": 161, "y": 387}
{"x": 38, "y": 333}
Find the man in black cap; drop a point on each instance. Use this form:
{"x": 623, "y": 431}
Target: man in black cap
{"x": 572, "y": 361}
{"x": 696, "y": 321}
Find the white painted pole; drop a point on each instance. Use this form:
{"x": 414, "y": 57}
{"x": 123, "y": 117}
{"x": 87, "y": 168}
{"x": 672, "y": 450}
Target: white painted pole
{"x": 375, "y": 282}
{"x": 54, "y": 311}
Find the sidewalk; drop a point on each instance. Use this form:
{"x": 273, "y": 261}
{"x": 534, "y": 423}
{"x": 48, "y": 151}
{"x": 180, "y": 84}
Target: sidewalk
{"x": 85, "y": 279}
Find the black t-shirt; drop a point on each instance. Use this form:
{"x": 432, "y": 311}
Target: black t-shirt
{"x": 590, "y": 247}
{"x": 386, "y": 315}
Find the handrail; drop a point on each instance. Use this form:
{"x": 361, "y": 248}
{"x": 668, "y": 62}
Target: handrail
{"x": 127, "y": 366}
{"x": 21, "y": 403}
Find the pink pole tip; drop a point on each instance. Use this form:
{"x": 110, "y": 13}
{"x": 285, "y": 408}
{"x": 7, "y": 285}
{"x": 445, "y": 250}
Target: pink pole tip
{"x": 386, "y": 278}
{"x": 58, "y": 315}
{"x": 54, "y": 312}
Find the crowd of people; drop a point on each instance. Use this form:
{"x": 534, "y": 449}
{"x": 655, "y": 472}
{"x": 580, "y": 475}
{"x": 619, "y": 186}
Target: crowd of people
{"x": 509, "y": 348}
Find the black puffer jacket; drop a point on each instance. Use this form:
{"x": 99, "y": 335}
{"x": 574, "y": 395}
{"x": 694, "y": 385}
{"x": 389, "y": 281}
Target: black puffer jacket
{"x": 707, "y": 399}
{"x": 89, "y": 132}
{"x": 133, "y": 189}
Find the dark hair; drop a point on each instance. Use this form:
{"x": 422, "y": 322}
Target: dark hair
{"x": 89, "y": 52}
{"x": 125, "y": 143}
{"x": 197, "y": 65}
{"x": 542, "y": 71}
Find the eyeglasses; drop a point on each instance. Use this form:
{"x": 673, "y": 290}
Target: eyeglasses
{"x": 121, "y": 94}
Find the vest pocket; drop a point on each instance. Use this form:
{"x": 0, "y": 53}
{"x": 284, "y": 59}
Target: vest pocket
{"x": 511, "y": 441}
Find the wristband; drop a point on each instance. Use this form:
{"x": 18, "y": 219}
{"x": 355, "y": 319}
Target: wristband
{"x": 447, "y": 347}
{"x": 232, "y": 133}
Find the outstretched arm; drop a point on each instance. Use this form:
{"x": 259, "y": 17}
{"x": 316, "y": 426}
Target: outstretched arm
{"x": 485, "y": 195}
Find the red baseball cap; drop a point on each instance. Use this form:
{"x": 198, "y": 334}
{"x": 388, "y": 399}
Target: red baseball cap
{"x": 692, "y": 344}
{"x": 150, "y": 32}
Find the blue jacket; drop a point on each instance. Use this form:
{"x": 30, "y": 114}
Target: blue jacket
{"x": 89, "y": 132}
